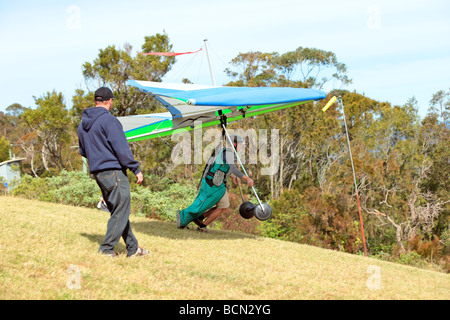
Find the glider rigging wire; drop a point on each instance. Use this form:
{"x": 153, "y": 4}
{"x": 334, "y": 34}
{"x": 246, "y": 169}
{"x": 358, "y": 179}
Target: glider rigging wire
{"x": 167, "y": 54}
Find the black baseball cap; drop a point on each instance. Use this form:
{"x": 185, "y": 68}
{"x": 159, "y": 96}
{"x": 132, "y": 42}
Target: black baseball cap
{"x": 103, "y": 94}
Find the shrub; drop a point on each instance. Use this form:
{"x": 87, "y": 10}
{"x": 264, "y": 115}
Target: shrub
{"x": 159, "y": 200}
{"x": 74, "y": 188}
{"x": 411, "y": 259}
{"x": 32, "y": 188}
{"x": 163, "y": 204}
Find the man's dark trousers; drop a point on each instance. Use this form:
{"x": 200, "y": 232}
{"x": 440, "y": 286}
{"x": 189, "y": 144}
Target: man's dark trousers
{"x": 116, "y": 193}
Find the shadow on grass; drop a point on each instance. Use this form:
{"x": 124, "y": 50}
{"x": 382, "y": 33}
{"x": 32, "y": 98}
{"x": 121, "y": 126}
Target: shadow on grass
{"x": 170, "y": 231}
{"x": 98, "y": 238}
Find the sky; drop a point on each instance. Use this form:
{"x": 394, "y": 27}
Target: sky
{"x": 393, "y": 50}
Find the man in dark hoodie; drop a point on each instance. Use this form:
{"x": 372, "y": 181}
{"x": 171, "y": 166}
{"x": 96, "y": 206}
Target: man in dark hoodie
{"x": 103, "y": 142}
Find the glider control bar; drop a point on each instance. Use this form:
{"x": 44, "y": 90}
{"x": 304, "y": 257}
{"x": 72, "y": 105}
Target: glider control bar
{"x": 240, "y": 162}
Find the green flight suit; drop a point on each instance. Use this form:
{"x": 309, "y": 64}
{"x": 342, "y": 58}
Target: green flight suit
{"x": 209, "y": 193}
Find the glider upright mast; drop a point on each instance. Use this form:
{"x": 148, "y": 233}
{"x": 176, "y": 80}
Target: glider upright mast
{"x": 209, "y": 62}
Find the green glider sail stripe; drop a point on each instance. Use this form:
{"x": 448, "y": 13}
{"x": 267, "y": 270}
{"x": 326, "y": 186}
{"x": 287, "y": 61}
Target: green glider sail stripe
{"x": 148, "y": 132}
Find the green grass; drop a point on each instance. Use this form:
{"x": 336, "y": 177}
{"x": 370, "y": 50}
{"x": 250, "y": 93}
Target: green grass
{"x": 44, "y": 246}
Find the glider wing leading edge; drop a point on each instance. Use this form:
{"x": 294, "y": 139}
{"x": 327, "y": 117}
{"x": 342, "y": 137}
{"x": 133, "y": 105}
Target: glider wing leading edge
{"x": 190, "y": 104}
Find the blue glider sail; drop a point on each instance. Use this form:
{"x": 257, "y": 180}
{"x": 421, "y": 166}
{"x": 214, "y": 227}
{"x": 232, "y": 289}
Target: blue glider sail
{"x": 190, "y": 104}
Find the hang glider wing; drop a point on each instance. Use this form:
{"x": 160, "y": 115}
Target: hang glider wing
{"x": 196, "y": 106}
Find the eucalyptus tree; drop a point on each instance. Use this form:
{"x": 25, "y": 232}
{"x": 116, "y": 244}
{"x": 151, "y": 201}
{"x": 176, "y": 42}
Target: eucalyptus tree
{"x": 113, "y": 67}
{"x": 50, "y": 121}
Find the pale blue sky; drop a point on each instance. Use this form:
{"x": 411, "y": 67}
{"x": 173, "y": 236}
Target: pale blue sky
{"x": 393, "y": 50}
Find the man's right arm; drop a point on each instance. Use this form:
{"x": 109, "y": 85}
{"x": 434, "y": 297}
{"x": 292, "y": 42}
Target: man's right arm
{"x": 229, "y": 158}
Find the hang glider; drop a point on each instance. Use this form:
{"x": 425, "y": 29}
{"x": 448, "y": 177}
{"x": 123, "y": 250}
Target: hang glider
{"x": 167, "y": 54}
{"x": 193, "y": 106}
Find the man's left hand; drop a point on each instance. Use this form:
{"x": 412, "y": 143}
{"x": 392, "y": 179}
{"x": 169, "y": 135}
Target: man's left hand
{"x": 140, "y": 178}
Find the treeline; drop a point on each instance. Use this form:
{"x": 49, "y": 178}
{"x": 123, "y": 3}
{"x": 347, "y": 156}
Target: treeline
{"x": 402, "y": 161}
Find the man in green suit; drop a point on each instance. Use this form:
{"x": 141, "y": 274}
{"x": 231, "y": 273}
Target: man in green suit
{"x": 212, "y": 199}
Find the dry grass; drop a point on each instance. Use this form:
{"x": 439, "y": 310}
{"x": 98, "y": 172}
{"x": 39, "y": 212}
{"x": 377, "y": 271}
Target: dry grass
{"x": 43, "y": 245}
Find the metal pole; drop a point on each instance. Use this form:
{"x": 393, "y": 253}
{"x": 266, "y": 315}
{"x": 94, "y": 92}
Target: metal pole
{"x": 209, "y": 62}
{"x": 354, "y": 179}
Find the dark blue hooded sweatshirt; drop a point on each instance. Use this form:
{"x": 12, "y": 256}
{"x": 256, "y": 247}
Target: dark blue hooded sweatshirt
{"x": 102, "y": 141}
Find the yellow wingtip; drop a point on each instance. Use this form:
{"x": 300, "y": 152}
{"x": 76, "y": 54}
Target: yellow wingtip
{"x": 332, "y": 100}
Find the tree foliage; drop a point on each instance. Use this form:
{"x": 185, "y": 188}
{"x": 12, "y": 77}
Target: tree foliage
{"x": 4, "y": 149}
{"x": 114, "y": 67}
{"x": 50, "y": 121}
{"x": 303, "y": 67}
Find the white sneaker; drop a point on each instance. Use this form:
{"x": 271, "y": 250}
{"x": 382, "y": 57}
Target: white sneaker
{"x": 140, "y": 252}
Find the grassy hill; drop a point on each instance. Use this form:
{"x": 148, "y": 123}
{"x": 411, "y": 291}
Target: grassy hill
{"x": 49, "y": 251}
